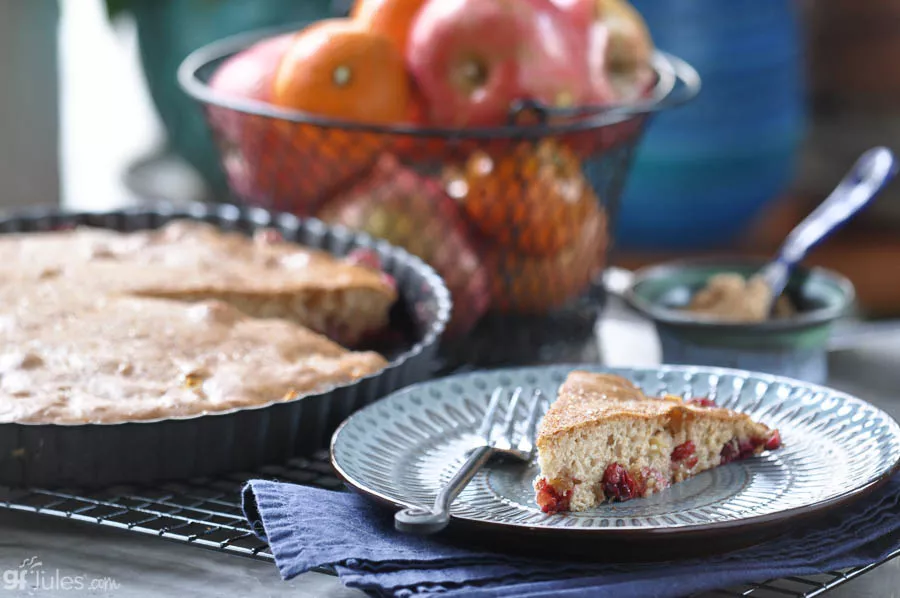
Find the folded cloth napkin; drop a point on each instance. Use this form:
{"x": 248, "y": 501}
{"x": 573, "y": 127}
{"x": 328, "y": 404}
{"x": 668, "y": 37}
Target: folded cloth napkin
{"x": 308, "y": 527}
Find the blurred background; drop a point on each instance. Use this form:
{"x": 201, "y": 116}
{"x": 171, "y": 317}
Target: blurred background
{"x": 91, "y": 117}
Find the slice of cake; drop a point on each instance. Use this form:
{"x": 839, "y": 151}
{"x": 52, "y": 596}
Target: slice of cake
{"x": 604, "y": 440}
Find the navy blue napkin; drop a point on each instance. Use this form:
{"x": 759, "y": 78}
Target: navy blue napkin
{"x": 307, "y": 527}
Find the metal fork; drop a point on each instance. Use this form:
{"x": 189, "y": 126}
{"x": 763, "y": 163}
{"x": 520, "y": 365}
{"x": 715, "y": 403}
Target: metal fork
{"x": 423, "y": 520}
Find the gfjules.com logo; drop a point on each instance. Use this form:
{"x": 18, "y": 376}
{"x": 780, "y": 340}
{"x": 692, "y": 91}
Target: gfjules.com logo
{"x": 32, "y": 575}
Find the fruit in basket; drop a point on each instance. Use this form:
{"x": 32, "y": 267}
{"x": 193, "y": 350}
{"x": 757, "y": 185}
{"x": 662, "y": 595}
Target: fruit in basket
{"x": 250, "y": 74}
{"x": 334, "y": 69}
{"x": 398, "y": 205}
{"x": 473, "y": 59}
{"x": 619, "y": 52}
{"x": 628, "y": 47}
{"x": 392, "y": 18}
{"x": 434, "y": 151}
{"x": 250, "y": 144}
{"x": 619, "y": 46}
{"x": 553, "y": 70}
{"x": 532, "y": 200}
{"x": 536, "y": 285}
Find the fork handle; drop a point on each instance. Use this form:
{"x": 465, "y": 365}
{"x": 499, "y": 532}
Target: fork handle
{"x": 422, "y": 520}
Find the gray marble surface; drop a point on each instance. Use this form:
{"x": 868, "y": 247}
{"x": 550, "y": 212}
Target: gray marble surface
{"x": 148, "y": 566}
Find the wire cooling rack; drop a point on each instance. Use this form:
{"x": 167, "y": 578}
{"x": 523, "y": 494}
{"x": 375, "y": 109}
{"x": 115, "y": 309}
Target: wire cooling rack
{"x": 207, "y": 514}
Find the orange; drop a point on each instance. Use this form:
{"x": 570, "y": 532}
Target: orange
{"x": 392, "y": 18}
{"x": 532, "y": 200}
{"x": 538, "y": 285}
{"x": 339, "y": 70}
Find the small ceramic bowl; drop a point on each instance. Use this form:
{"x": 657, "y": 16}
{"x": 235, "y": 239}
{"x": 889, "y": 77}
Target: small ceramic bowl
{"x": 794, "y": 346}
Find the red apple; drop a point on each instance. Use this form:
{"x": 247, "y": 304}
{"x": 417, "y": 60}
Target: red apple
{"x": 472, "y": 59}
{"x": 252, "y": 146}
{"x": 408, "y": 210}
{"x": 553, "y": 59}
{"x": 250, "y": 73}
{"x": 581, "y": 11}
{"x": 619, "y": 51}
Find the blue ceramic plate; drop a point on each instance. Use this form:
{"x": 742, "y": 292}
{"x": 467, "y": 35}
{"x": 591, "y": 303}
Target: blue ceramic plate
{"x": 401, "y": 449}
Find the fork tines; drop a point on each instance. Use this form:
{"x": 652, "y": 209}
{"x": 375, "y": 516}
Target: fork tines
{"x": 502, "y": 440}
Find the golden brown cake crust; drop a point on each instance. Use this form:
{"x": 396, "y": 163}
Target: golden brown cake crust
{"x": 81, "y": 342}
{"x": 586, "y": 398}
{"x": 184, "y": 258}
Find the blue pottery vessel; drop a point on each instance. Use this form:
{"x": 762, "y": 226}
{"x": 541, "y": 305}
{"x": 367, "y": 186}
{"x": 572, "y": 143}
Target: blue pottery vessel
{"x": 169, "y": 30}
{"x": 706, "y": 169}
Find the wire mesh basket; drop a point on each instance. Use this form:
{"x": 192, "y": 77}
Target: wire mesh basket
{"x": 515, "y": 218}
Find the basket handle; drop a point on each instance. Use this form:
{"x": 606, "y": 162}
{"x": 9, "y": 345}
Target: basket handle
{"x": 679, "y": 83}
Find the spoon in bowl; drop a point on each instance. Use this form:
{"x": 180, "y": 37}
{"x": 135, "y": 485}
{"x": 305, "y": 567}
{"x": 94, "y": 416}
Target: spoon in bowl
{"x": 868, "y": 176}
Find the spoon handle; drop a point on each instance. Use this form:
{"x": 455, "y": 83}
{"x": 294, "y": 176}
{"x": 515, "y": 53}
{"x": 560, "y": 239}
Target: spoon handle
{"x": 868, "y": 176}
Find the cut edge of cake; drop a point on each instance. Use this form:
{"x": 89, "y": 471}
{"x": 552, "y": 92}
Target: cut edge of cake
{"x": 604, "y": 440}
{"x": 346, "y": 316}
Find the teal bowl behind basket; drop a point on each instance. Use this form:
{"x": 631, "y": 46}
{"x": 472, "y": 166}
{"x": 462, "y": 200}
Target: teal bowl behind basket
{"x": 795, "y": 346}
{"x": 169, "y": 30}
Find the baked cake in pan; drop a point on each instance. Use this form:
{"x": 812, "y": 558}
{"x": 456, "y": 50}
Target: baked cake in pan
{"x": 101, "y": 326}
{"x": 604, "y": 440}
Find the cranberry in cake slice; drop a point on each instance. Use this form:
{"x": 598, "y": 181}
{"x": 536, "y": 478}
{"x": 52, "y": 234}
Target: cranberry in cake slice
{"x": 604, "y": 440}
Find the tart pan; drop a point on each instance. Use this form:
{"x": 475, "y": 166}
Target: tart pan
{"x": 94, "y": 455}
